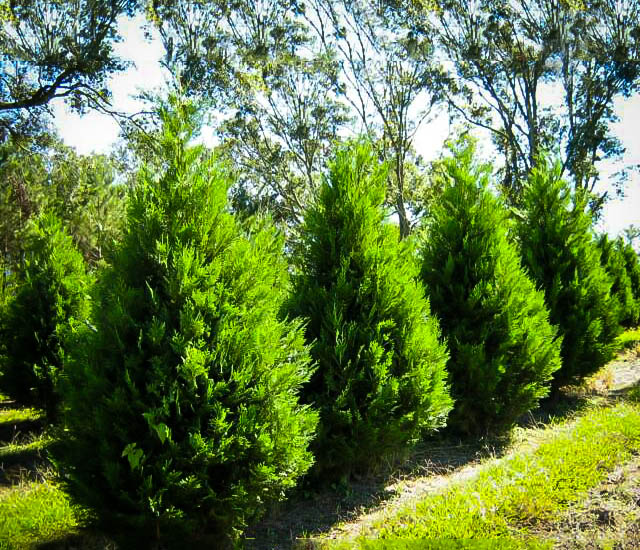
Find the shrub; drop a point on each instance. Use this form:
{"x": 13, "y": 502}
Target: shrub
{"x": 381, "y": 367}
{"x": 183, "y": 412}
{"x": 503, "y": 349}
{"x": 48, "y": 293}
{"x": 612, "y": 258}
{"x": 559, "y": 251}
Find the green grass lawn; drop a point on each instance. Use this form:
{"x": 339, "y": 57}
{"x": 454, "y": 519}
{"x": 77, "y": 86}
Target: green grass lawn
{"x": 34, "y": 513}
{"x": 507, "y": 498}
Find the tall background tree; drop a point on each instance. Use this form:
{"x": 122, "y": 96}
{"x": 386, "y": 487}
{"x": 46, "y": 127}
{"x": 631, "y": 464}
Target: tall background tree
{"x": 83, "y": 191}
{"x": 55, "y": 49}
{"x": 539, "y": 75}
{"x": 288, "y": 78}
{"x": 389, "y": 79}
{"x": 272, "y": 94}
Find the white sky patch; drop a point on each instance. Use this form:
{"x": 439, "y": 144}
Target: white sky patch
{"x": 97, "y": 133}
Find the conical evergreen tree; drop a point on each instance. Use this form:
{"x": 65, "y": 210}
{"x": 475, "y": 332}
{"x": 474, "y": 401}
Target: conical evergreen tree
{"x": 183, "y": 410}
{"x": 503, "y": 349}
{"x": 381, "y": 375}
{"x": 613, "y": 259}
{"x": 50, "y": 291}
{"x": 632, "y": 265}
{"x": 559, "y": 250}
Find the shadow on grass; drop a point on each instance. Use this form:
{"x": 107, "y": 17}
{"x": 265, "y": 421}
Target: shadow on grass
{"x": 308, "y": 512}
{"x": 85, "y": 540}
{"x": 11, "y": 430}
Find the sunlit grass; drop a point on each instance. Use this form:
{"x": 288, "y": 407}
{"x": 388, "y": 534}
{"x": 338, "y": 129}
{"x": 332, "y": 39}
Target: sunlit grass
{"x": 515, "y": 493}
{"x": 10, "y": 416}
{"x": 629, "y": 338}
{"x": 33, "y": 444}
{"x": 34, "y": 513}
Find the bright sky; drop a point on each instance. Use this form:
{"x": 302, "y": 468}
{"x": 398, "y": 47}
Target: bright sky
{"x": 97, "y": 132}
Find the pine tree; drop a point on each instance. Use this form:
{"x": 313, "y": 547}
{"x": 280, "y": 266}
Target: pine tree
{"x": 612, "y": 258}
{"x": 503, "y": 349}
{"x": 559, "y": 250}
{"x": 48, "y": 293}
{"x": 380, "y": 383}
{"x": 183, "y": 412}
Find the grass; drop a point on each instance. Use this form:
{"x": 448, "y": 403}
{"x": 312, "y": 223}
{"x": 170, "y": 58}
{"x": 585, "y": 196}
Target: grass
{"x": 31, "y": 446}
{"x": 13, "y": 416}
{"x": 505, "y": 543}
{"x": 512, "y": 495}
{"x": 629, "y": 338}
{"x": 34, "y": 513}
{"x": 502, "y": 507}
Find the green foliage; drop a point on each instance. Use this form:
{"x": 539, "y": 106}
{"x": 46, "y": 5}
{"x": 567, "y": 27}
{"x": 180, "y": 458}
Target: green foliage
{"x": 51, "y": 292}
{"x": 381, "y": 367}
{"x": 503, "y": 349}
{"x": 182, "y": 406}
{"x": 559, "y": 251}
{"x": 499, "y": 55}
{"x": 80, "y": 189}
{"x": 614, "y": 260}
{"x": 56, "y": 49}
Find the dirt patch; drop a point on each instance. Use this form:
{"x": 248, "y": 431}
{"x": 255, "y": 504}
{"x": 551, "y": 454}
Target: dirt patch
{"x": 609, "y": 518}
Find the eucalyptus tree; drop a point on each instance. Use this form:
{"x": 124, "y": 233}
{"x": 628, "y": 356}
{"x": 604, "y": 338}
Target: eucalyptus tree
{"x": 540, "y": 75}
{"x": 272, "y": 93}
{"x": 388, "y": 77}
{"x": 56, "y": 49}
{"x": 288, "y": 78}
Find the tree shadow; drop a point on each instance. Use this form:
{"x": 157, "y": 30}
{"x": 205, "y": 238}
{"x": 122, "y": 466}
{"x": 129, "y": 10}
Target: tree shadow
{"x": 311, "y": 512}
{"x": 12, "y": 429}
{"x": 308, "y": 513}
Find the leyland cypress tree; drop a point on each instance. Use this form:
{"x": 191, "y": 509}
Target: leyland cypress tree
{"x": 182, "y": 404}
{"x": 560, "y": 253}
{"x": 504, "y": 351}
{"x": 49, "y": 292}
{"x": 612, "y": 258}
{"x": 380, "y": 379}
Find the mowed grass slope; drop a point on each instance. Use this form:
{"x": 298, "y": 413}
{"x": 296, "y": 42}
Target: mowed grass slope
{"x": 514, "y": 494}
